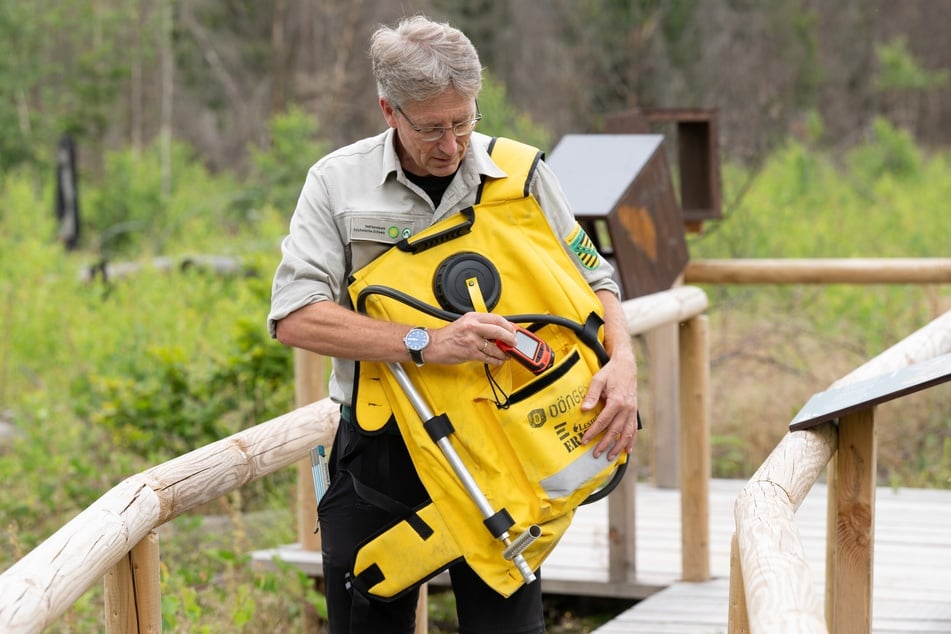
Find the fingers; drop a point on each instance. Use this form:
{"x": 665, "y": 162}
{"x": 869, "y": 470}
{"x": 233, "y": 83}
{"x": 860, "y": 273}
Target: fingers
{"x": 471, "y": 338}
{"x": 616, "y": 425}
{"x": 490, "y": 353}
{"x": 620, "y": 435}
{"x": 621, "y": 441}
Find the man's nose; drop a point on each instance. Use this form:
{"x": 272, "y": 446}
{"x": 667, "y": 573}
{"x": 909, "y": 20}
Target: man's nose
{"x": 449, "y": 143}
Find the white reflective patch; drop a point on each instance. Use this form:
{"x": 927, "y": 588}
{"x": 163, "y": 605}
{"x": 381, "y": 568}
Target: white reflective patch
{"x": 575, "y": 475}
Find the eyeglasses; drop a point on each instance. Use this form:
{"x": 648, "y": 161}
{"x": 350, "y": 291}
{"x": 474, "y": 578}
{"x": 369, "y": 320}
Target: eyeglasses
{"x": 434, "y": 133}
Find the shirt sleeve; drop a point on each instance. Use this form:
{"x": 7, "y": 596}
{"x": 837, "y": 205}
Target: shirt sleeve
{"x": 313, "y": 263}
{"x": 598, "y": 272}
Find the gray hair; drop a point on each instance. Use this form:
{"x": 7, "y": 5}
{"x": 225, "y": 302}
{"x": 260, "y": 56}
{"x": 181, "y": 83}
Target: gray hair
{"x": 420, "y": 59}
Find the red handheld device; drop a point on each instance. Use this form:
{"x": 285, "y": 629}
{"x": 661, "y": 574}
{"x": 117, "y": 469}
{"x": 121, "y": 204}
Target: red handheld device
{"x": 529, "y": 350}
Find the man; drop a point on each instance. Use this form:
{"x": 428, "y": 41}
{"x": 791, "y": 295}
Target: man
{"x": 427, "y": 166}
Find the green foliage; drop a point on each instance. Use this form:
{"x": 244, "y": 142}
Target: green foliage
{"x": 892, "y": 153}
{"x": 899, "y": 70}
{"x": 105, "y": 378}
{"x": 211, "y": 581}
{"x": 500, "y": 118}
{"x": 158, "y": 401}
{"x": 883, "y": 200}
{"x": 813, "y": 127}
{"x": 47, "y": 472}
{"x": 129, "y": 213}
{"x": 28, "y": 224}
{"x": 166, "y": 404}
{"x": 52, "y": 80}
{"x": 279, "y": 170}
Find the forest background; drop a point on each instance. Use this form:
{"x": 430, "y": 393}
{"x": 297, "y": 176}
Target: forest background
{"x": 194, "y": 123}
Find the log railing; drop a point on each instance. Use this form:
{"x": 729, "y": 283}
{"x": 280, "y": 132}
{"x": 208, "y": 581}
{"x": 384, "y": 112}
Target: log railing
{"x": 771, "y": 589}
{"x": 114, "y": 539}
{"x": 103, "y": 538}
{"x": 820, "y": 271}
{"x": 771, "y": 586}
{"x": 682, "y": 309}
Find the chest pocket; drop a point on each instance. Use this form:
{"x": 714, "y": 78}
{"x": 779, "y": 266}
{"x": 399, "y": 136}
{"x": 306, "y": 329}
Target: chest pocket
{"x": 371, "y": 234}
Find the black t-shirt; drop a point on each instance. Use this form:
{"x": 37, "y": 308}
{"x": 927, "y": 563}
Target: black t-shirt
{"x": 434, "y": 186}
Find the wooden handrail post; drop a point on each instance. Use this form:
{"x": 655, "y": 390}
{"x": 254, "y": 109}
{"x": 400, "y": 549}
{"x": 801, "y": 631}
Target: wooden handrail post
{"x": 622, "y": 538}
{"x": 132, "y": 591}
{"x": 695, "y": 449}
{"x": 832, "y": 487}
{"x": 855, "y": 522}
{"x": 422, "y": 610}
{"x": 663, "y": 375}
{"x": 309, "y": 386}
{"x": 738, "y": 620}
{"x": 656, "y": 316}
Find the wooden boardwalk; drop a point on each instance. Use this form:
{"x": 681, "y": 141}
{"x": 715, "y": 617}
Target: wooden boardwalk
{"x": 912, "y": 571}
{"x": 912, "y": 585}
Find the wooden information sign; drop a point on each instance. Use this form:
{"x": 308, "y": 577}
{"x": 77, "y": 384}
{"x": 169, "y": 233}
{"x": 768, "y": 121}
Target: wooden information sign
{"x": 835, "y": 402}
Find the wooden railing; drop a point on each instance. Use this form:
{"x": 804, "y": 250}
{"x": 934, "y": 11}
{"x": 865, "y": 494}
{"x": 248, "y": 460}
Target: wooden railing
{"x": 102, "y": 538}
{"x": 686, "y": 399}
{"x": 820, "y": 271}
{"x": 114, "y": 539}
{"x": 771, "y": 586}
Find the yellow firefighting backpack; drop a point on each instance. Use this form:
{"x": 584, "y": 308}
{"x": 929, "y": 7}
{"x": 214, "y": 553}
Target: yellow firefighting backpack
{"x": 516, "y": 433}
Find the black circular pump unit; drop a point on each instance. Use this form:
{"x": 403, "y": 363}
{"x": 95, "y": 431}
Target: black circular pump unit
{"x": 449, "y": 282}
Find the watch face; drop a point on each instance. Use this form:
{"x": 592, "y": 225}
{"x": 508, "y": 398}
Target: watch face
{"x": 417, "y": 339}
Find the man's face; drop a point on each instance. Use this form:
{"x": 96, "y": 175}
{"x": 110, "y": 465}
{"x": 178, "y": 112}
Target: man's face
{"x": 436, "y": 158}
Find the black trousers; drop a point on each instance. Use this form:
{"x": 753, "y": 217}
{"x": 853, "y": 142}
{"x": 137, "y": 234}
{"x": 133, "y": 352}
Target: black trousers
{"x": 347, "y": 520}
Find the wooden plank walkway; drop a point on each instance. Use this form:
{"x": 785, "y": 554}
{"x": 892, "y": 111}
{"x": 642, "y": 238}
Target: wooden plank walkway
{"x": 912, "y": 570}
{"x": 912, "y": 585}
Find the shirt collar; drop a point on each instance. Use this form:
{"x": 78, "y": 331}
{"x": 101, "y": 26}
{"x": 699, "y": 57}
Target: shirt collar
{"x": 476, "y": 161}
{"x": 391, "y": 162}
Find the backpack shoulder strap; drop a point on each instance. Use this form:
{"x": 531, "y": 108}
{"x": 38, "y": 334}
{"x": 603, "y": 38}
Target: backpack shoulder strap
{"x": 519, "y": 162}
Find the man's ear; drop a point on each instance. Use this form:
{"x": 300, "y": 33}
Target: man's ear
{"x": 389, "y": 112}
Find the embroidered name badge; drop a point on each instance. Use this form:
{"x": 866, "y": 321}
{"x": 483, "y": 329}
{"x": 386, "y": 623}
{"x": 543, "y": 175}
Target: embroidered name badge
{"x": 582, "y": 246}
{"x": 376, "y": 230}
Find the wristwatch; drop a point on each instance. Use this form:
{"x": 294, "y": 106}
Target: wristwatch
{"x": 416, "y": 341}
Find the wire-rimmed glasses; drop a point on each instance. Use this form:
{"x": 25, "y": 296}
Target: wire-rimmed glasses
{"x": 434, "y": 133}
